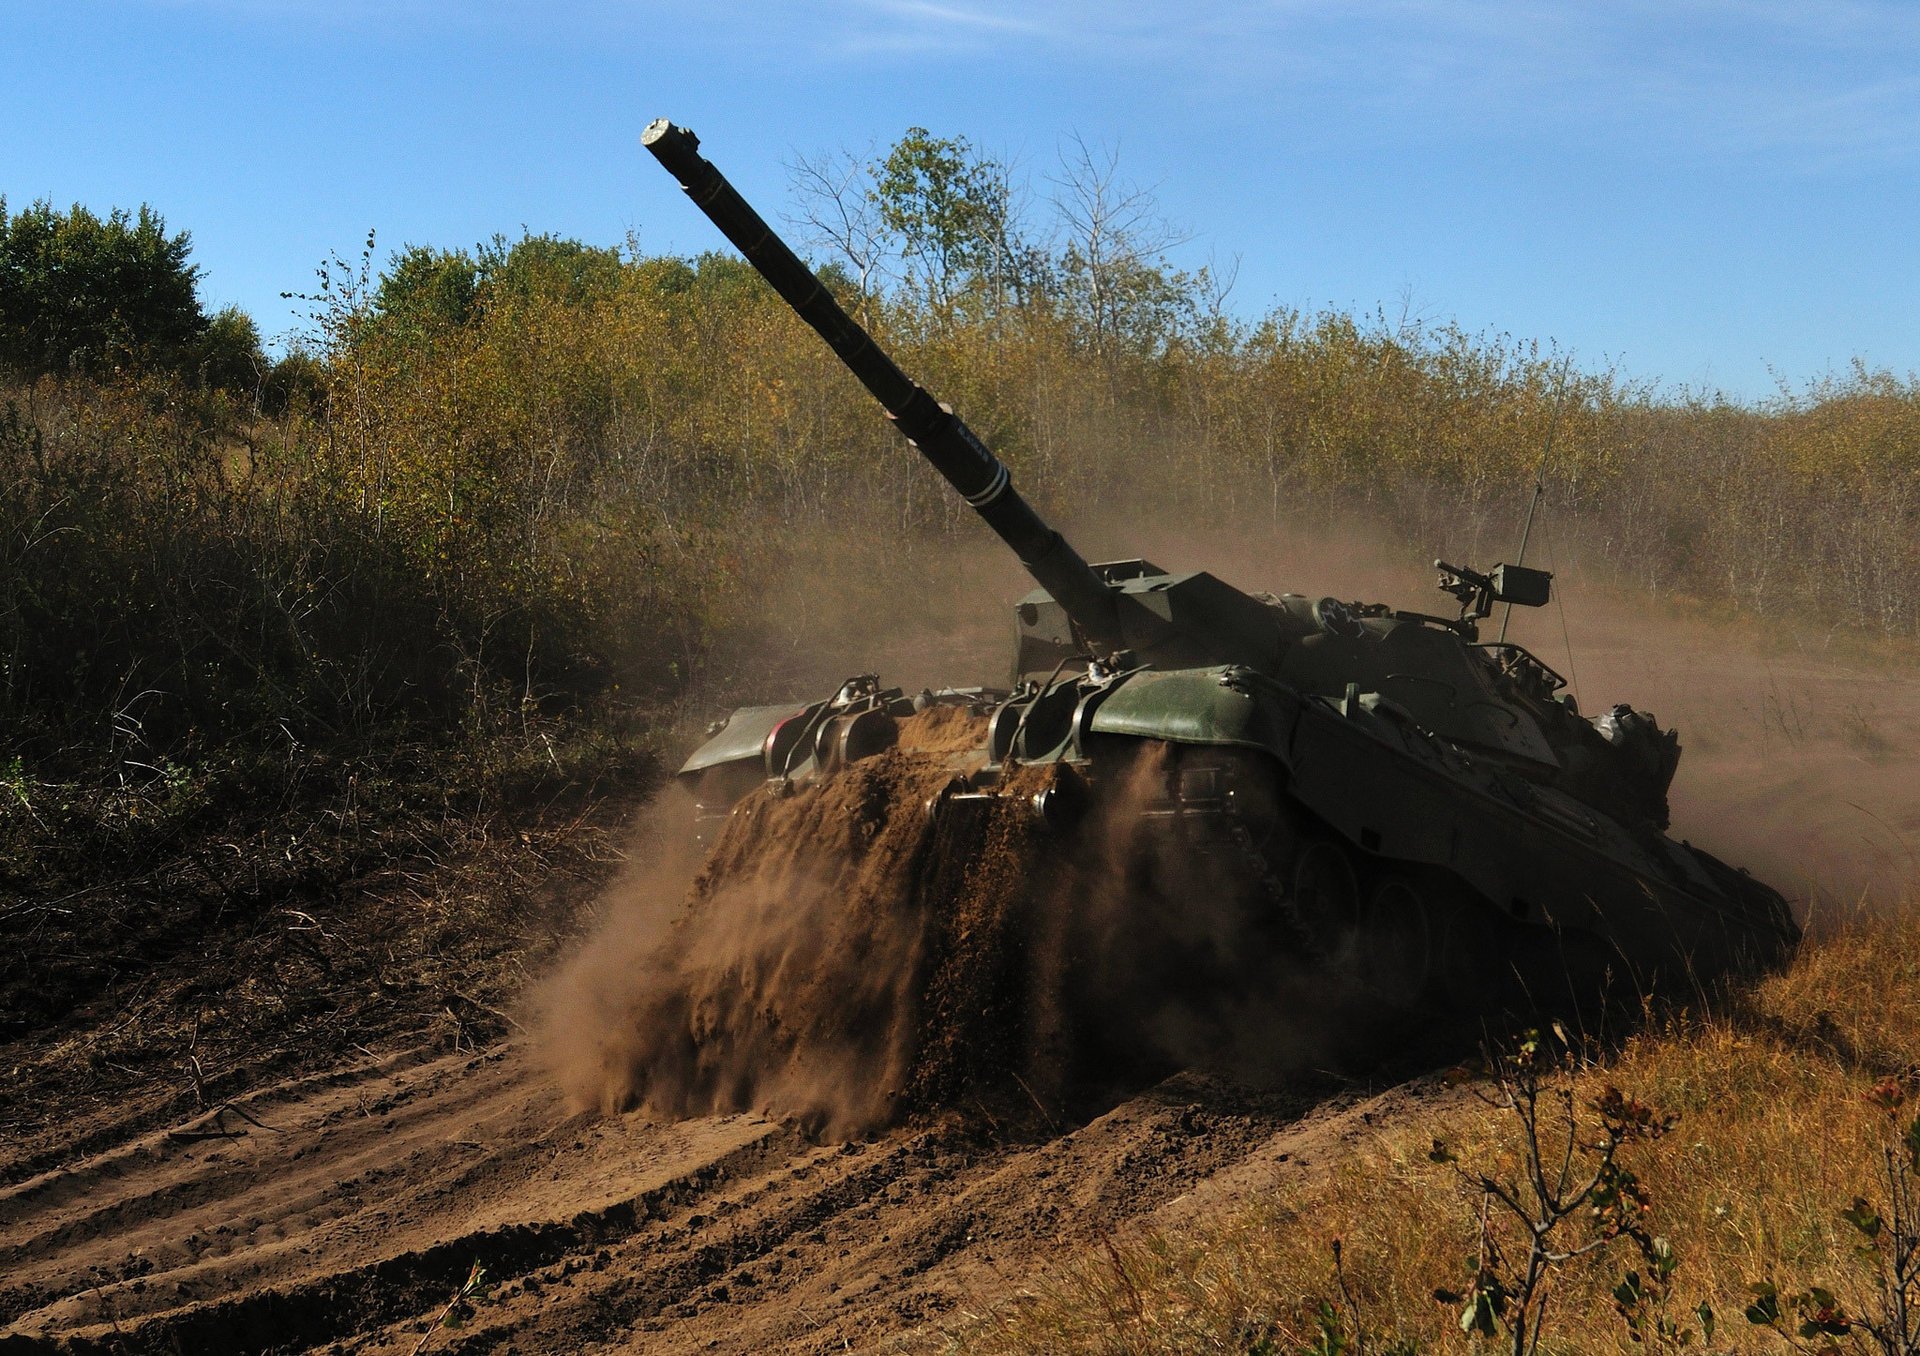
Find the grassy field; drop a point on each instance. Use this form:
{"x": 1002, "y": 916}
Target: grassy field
{"x": 1779, "y": 1149}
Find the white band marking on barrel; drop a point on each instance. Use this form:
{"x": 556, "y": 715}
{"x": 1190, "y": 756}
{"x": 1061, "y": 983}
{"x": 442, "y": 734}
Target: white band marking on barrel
{"x": 993, "y": 491}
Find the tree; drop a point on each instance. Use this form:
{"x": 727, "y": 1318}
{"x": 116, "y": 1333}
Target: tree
{"x": 548, "y": 268}
{"x": 1113, "y": 272}
{"x": 423, "y": 286}
{"x": 839, "y": 210}
{"x": 950, "y": 209}
{"x": 228, "y": 355}
{"x": 297, "y": 381}
{"x": 87, "y": 294}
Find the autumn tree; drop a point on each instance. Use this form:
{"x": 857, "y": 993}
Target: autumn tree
{"x": 1113, "y": 274}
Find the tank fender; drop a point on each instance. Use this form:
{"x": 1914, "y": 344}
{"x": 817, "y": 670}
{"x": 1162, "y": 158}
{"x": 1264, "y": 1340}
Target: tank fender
{"x": 742, "y": 735}
{"x": 1365, "y": 769}
{"x": 1227, "y": 705}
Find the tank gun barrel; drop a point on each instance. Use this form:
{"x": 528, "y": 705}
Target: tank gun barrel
{"x": 940, "y": 436}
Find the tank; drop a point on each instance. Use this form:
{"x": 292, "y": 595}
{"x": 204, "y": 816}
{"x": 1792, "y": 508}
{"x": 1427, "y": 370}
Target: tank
{"x": 1397, "y": 795}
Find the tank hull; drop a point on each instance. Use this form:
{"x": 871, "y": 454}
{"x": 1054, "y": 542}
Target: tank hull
{"x": 1420, "y": 864}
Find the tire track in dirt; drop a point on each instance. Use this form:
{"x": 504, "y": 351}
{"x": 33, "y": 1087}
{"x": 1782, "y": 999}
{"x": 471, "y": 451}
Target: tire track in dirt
{"x": 340, "y": 1212}
{"x": 891, "y": 1239}
{"x": 348, "y": 1199}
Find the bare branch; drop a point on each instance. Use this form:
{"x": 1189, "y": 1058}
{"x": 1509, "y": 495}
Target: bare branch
{"x": 833, "y": 207}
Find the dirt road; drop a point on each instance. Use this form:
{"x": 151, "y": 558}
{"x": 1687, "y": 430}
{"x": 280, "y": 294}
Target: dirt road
{"x": 341, "y": 1211}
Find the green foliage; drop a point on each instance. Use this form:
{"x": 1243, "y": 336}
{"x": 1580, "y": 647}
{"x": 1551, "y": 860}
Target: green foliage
{"x": 948, "y": 207}
{"x": 295, "y": 384}
{"x": 82, "y": 293}
{"x": 471, "y": 1293}
{"x": 423, "y": 293}
{"x": 228, "y": 355}
{"x": 428, "y": 287}
{"x": 548, "y": 268}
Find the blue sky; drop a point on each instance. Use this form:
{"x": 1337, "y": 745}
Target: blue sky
{"x": 1702, "y": 192}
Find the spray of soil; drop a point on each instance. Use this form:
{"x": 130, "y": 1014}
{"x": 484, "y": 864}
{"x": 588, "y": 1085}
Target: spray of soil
{"x": 774, "y": 980}
{"x": 842, "y": 958}
{"x": 845, "y": 959}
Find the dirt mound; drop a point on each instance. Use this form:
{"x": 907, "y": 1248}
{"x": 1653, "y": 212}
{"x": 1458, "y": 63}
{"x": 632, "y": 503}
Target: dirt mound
{"x": 943, "y": 729}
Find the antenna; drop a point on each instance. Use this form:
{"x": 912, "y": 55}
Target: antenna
{"x": 1539, "y": 481}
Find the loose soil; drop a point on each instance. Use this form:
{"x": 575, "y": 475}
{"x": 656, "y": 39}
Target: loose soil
{"x": 341, "y": 1212}
{"x": 341, "y": 1207}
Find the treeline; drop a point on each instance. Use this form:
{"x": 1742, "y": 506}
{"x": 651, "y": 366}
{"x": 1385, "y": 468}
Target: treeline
{"x": 506, "y": 484}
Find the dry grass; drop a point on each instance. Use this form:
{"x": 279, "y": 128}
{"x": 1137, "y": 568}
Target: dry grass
{"x": 1775, "y": 1138}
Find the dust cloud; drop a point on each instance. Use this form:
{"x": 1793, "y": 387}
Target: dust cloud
{"x": 844, "y": 960}
{"x": 841, "y": 958}
{"x": 1801, "y": 759}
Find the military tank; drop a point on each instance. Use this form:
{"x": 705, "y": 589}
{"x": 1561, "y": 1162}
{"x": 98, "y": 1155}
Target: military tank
{"x": 1395, "y": 792}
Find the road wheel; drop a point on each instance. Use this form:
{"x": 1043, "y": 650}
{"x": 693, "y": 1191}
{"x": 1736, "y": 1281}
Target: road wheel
{"x": 1326, "y": 899}
{"x": 1399, "y": 941}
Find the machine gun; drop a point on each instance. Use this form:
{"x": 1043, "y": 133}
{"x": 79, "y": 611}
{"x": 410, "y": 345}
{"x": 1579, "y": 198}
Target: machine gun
{"x": 1477, "y": 592}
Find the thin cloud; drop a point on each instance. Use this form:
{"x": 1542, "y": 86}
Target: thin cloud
{"x": 1803, "y": 87}
{"x": 1807, "y": 86}
{"x": 956, "y": 16}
